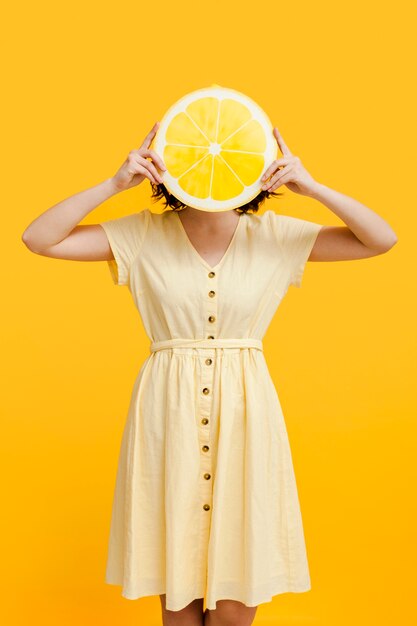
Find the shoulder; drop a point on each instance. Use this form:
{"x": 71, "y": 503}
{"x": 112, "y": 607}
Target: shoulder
{"x": 279, "y": 220}
{"x": 288, "y": 226}
{"x": 257, "y": 221}
{"x": 131, "y": 220}
{"x": 128, "y": 230}
{"x": 266, "y": 223}
{"x": 268, "y": 220}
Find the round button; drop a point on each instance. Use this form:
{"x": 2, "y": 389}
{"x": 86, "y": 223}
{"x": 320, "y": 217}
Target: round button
{"x": 210, "y": 337}
{"x": 206, "y": 507}
{"x": 207, "y": 476}
{"x": 209, "y": 361}
{"x": 204, "y": 420}
{"x": 211, "y": 274}
{"x": 206, "y": 391}
{"x": 211, "y": 318}
{"x": 205, "y": 448}
{"x": 211, "y": 294}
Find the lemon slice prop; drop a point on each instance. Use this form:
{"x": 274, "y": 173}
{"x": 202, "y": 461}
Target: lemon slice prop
{"x": 216, "y": 144}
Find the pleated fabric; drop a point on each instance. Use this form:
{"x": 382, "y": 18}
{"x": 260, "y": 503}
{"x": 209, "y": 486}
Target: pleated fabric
{"x": 205, "y": 502}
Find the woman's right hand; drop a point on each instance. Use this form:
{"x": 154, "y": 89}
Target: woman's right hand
{"x": 137, "y": 167}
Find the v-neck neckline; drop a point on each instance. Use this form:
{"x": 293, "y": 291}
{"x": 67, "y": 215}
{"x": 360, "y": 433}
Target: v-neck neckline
{"x": 198, "y": 255}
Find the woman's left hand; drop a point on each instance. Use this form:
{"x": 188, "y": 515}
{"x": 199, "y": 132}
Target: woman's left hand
{"x": 292, "y": 173}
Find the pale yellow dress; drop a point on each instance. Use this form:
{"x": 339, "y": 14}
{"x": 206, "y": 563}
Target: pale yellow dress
{"x": 205, "y": 501}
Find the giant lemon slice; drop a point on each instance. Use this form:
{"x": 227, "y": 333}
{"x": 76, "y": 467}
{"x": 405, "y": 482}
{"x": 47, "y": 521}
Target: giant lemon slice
{"x": 216, "y": 144}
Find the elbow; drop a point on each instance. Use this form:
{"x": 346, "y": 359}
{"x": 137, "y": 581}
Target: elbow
{"x": 26, "y": 240}
{"x": 30, "y": 245}
{"x": 390, "y": 243}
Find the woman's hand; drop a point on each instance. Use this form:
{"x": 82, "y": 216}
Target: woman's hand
{"x": 293, "y": 174}
{"x": 137, "y": 167}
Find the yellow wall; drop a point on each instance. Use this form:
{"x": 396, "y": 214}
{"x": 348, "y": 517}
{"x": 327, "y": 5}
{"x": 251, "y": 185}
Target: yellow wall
{"x": 83, "y": 83}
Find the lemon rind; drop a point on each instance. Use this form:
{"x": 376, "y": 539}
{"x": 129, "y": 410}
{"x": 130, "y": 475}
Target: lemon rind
{"x": 249, "y": 191}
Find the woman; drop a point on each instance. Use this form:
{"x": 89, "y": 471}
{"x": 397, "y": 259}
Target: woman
{"x": 205, "y": 502}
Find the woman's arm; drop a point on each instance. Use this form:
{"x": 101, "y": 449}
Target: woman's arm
{"x": 366, "y": 233}
{"x": 56, "y": 232}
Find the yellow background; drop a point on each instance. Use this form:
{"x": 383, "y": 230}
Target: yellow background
{"x": 83, "y": 83}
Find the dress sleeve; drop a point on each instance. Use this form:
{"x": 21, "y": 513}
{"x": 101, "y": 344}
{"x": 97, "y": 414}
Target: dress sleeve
{"x": 296, "y": 238}
{"x": 125, "y": 235}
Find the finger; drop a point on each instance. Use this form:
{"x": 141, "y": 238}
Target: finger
{"x": 281, "y": 143}
{"x": 148, "y": 139}
{"x": 141, "y": 170}
{"x": 281, "y": 181}
{"x": 155, "y": 156}
{"x": 148, "y": 174}
{"x": 271, "y": 169}
{"x": 277, "y": 177}
{"x": 151, "y": 167}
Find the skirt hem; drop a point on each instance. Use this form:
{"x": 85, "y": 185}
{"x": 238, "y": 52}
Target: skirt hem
{"x": 211, "y": 605}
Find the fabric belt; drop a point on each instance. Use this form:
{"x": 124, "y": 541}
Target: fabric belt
{"x": 244, "y": 342}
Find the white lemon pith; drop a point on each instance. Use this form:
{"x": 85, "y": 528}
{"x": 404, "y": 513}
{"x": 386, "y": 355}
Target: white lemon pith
{"x": 216, "y": 144}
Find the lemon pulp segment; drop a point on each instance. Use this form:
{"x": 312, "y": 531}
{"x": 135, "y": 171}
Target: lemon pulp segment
{"x": 215, "y": 148}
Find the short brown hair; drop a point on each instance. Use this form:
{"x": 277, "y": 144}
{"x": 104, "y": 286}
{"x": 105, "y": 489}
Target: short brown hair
{"x": 160, "y": 191}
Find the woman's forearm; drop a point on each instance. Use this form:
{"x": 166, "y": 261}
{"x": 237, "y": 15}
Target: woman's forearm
{"x": 369, "y": 227}
{"x": 54, "y": 224}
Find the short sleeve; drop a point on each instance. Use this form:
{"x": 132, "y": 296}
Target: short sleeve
{"x": 296, "y": 238}
{"x": 125, "y": 235}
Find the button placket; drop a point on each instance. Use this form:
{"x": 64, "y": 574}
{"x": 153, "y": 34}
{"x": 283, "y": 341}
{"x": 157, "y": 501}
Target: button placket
{"x": 206, "y": 388}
